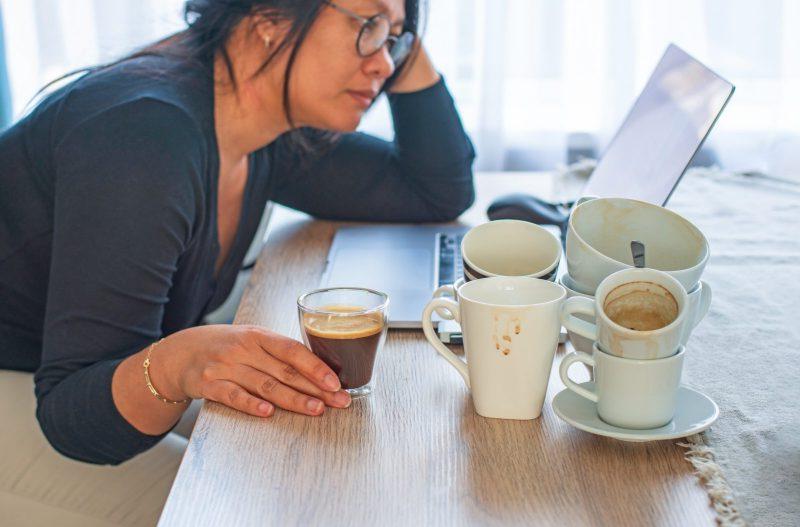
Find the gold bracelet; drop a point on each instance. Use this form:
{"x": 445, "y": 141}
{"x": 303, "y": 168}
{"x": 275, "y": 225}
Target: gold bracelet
{"x": 150, "y": 386}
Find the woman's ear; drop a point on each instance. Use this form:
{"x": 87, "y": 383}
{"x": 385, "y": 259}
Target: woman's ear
{"x": 265, "y": 29}
{"x": 269, "y": 30}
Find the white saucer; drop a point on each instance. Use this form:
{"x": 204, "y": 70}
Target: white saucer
{"x": 694, "y": 413}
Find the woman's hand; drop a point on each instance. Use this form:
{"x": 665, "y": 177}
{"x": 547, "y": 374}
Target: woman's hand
{"x": 248, "y": 368}
{"x": 419, "y": 73}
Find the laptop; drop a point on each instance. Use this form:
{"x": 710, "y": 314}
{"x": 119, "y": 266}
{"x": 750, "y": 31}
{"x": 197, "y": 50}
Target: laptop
{"x": 645, "y": 160}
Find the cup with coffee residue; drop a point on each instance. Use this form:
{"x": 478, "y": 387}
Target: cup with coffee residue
{"x": 346, "y": 328}
{"x": 510, "y": 326}
{"x": 638, "y": 314}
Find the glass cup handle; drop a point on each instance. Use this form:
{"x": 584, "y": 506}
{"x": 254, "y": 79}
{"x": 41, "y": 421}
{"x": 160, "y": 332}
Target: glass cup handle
{"x": 433, "y": 338}
{"x": 563, "y": 371}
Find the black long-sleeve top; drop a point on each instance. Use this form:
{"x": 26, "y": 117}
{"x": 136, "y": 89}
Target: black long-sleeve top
{"x": 108, "y": 224}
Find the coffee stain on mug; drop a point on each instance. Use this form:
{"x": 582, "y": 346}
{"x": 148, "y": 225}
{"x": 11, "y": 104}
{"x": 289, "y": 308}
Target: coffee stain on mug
{"x": 505, "y": 325}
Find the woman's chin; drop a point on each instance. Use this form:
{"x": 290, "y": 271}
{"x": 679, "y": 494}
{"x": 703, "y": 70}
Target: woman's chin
{"x": 343, "y": 122}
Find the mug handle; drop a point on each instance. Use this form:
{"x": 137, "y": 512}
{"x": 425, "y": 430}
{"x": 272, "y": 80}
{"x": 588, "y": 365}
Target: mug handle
{"x": 563, "y": 372}
{"x": 704, "y": 305}
{"x": 447, "y": 290}
{"x": 583, "y": 306}
{"x": 433, "y": 338}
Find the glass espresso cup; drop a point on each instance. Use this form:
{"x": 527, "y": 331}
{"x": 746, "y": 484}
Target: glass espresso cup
{"x": 345, "y": 327}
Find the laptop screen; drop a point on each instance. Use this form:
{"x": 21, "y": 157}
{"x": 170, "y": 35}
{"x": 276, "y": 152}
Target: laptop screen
{"x": 665, "y": 128}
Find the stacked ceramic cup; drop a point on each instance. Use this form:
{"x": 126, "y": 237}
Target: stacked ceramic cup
{"x": 504, "y": 248}
{"x": 631, "y": 324}
{"x": 508, "y": 307}
{"x": 599, "y": 239}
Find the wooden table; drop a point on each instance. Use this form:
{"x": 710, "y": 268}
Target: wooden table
{"x": 414, "y": 452}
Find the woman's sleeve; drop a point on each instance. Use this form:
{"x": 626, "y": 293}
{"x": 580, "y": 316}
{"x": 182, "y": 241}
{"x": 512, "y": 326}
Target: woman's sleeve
{"x": 127, "y": 186}
{"x": 425, "y": 174}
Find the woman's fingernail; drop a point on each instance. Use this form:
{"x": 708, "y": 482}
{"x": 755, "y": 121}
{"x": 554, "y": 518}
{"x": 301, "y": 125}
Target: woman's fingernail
{"x": 342, "y": 399}
{"x": 314, "y": 405}
{"x": 332, "y": 381}
{"x": 265, "y": 408}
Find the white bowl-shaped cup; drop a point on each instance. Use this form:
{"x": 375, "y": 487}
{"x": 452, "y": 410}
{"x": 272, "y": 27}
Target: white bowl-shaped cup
{"x": 601, "y": 230}
{"x": 510, "y": 248}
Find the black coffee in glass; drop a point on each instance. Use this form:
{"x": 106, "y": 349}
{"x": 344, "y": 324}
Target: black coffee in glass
{"x": 345, "y": 333}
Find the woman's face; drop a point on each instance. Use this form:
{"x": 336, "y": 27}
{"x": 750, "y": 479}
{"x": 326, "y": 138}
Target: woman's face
{"x": 331, "y": 84}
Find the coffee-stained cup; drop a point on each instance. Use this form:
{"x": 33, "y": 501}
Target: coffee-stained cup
{"x": 699, "y": 304}
{"x": 635, "y": 394}
{"x": 510, "y": 328}
{"x": 510, "y": 248}
{"x": 639, "y": 314}
{"x": 600, "y": 232}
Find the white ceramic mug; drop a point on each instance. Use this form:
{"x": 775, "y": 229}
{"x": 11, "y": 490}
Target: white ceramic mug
{"x": 647, "y": 289}
{"x": 510, "y": 248}
{"x": 699, "y": 304}
{"x": 510, "y": 326}
{"x": 601, "y": 230}
{"x": 636, "y": 394}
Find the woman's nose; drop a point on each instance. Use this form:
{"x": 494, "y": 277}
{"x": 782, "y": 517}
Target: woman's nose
{"x": 379, "y": 64}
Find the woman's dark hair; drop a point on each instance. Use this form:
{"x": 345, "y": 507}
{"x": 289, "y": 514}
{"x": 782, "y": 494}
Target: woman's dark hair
{"x": 211, "y": 23}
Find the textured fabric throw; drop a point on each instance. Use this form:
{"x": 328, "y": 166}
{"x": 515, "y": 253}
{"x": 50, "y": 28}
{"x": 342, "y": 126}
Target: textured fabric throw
{"x": 744, "y": 355}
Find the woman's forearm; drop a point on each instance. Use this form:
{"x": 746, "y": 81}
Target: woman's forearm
{"x": 134, "y": 400}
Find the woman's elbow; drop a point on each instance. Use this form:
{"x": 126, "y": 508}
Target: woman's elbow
{"x": 63, "y": 444}
{"x": 461, "y": 194}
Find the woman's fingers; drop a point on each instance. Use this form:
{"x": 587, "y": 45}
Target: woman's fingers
{"x": 233, "y": 395}
{"x": 299, "y": 357}
{"x": 271, "y": 389}
{"x": 290, "y": 376}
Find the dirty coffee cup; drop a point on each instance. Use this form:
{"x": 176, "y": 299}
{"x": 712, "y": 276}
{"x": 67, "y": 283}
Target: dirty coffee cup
{"x": 639, "y": 314}
{"x": 510, "y": 327}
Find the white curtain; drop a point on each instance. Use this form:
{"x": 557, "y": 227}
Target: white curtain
{"x": 531, "y": 77}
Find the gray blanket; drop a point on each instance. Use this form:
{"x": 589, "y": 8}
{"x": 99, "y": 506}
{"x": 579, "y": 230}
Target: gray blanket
{"x": 745, "y": 353}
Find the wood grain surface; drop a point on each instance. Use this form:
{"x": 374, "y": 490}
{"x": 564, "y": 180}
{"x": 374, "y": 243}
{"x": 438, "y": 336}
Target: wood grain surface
{"x": 414, "y": 452}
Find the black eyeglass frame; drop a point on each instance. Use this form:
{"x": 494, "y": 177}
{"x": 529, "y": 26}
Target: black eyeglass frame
{"x": 407, "y": 36}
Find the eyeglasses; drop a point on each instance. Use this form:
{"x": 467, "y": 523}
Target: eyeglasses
{"x": 375, "y": 33}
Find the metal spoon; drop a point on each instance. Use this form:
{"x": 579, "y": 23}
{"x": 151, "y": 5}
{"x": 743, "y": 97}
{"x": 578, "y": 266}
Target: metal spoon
{"x": 637, "y": 251}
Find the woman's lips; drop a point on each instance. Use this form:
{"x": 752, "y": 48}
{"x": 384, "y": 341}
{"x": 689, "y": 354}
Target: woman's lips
{"x": 363, "y": 98}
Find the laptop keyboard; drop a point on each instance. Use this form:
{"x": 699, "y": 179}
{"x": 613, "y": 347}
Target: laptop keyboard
{"x": 450, "y": 263}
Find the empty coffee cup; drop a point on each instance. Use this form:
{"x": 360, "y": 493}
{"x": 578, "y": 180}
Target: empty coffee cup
{"x": 630, "y": 393}
{"x": 639, "y": 314}
{"x": 600, "y": 232}
{"x": 510, "y": 327}
{"x": 510, "y": 248}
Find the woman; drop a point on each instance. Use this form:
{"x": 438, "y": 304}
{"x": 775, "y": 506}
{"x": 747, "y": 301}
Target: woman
{"x": 130, "y": 197}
